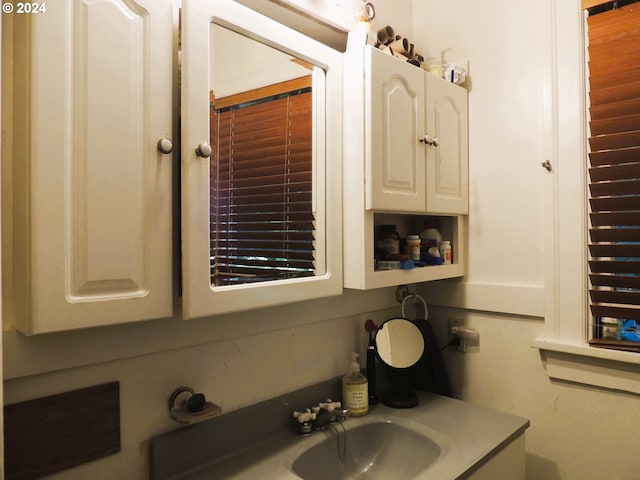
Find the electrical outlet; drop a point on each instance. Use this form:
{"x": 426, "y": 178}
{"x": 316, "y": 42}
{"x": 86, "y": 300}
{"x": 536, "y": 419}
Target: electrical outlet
{"x": 462, "y": 342}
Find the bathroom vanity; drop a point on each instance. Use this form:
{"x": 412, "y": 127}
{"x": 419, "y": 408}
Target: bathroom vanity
{"x": 441, "y": 438}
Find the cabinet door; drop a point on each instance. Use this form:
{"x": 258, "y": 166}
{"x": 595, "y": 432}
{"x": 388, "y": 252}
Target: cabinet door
{"x": 447, "y": 159}
{"x": 394, "y": 113}
{"x": 239, "y": 278}
{"x": 92, "y": 192}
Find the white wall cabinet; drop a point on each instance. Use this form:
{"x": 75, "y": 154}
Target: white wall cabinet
{"x": 88, "y": 240}
{"x": 416, "y": 139}
{"x": 390, "y": 175}
{"x": 91, "y": 92}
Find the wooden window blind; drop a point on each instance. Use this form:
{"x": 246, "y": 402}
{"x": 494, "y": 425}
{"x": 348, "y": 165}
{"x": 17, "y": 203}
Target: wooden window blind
{"x": 614, "y": 174}
{"x": 262, "y": 221}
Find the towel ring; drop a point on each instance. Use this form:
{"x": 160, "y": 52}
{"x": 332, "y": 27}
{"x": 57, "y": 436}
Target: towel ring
{"x": 417, "y": 298}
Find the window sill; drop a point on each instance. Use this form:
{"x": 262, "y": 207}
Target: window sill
{"x": 579, "y": 363}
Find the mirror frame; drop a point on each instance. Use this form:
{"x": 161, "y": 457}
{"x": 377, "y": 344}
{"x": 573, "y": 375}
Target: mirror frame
{"x": 200, "y": 298}
{"x": 400, "y": 393}
{"x": 418, "y": 331}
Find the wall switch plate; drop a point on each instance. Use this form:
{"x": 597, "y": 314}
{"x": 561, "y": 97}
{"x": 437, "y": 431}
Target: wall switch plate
{"x": 451, "y": 323}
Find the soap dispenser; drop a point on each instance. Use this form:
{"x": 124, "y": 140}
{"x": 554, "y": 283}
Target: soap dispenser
{"x": 355, "y": 390}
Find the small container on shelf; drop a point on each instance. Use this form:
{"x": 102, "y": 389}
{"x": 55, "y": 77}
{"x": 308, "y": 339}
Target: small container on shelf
{"x": 445, "y": 252}
{"x": 388, "y": 239}
{"x": 389, "y": 265}
{"x": 413, "y": 247}
{"x": 430, "y": 236}
{"x": 610, "y": 328}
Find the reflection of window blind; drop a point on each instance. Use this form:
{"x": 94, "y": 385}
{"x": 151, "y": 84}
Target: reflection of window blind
{"x": 614, "y": 173}
{"x": 262, "y": 224}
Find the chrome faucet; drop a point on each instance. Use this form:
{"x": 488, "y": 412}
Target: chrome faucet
{"x": 327, "y": 417}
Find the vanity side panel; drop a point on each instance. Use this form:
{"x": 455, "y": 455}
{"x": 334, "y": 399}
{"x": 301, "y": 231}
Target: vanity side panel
{"x": 507, "y": 463}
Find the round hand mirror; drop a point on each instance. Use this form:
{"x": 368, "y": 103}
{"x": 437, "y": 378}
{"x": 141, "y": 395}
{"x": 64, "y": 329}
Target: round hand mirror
{"x": 400, "y": 343}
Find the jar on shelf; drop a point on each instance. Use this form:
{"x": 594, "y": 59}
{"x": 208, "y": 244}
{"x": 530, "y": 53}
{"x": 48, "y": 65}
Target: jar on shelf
{"x": 430, "y": 236}
{"x": 388, "y": 239}
{"x": 610, "y": 328}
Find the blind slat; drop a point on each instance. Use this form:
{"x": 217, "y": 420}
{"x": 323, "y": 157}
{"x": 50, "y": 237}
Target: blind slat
{"x": 616, "y": 93}
{"x": 615, "y": 250}
{"x": 614, "y": 234}
{"x": 623, "y": 43}
{"x": 615, "y": 312}
{"x": 615, "y": 140}
{"x": 615, "y": 296}
{"x": 629, "y": 187}
{"x": 604, "y": 280}
{"x": 617, "y": 219}
{"x": 608, "y": 204}
{"x": 610, "y": 78}
{"x": 625, "y": 123}
{"x": 616, "y": 109}
{"x": 624, "y": 267}
{"x": 615, "y": 172}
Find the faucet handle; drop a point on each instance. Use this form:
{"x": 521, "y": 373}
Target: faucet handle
{"x": 306, "y": 416}
{"x": 305, "y": 421}
{"x": 329, "y": 406}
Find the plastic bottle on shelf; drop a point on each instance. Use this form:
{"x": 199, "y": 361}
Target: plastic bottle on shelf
{"x": 430, "y": 236}
{"x": 413, "y": 247}
{"x": 445, "y": 251}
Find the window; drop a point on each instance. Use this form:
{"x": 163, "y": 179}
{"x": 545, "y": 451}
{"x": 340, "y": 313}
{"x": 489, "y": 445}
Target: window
{"x": 262, "y": 221}
{"x": 563, "y": 344}
{"x": 613, "y": 31}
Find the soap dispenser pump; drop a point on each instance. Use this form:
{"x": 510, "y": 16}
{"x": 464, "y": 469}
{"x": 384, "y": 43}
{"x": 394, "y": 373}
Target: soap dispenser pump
{"x": 355, "y": 391}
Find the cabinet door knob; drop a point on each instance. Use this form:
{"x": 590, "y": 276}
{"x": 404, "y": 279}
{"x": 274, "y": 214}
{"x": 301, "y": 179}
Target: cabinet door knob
{"x": 429, "y": 140}
{"x": 203, "y": 150}
{"x": 165, "y": 145}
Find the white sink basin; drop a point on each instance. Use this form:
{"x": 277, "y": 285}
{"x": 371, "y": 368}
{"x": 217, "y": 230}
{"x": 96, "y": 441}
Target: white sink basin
{"x": 379, "y": 450}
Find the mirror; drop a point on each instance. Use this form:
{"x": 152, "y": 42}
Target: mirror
{"x": 400, "y": 343}
{"x": 265, "y": 108}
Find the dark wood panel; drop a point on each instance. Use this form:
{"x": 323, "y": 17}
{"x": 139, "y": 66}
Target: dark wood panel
{"x": 51, "y": 434}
